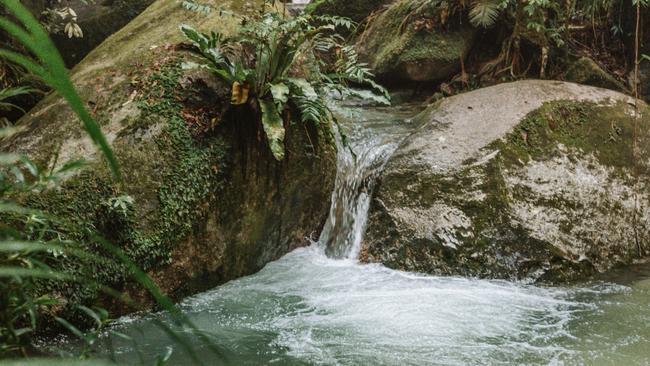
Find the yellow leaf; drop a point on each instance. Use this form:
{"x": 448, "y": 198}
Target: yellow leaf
{"x": 239, "y": 93}
{"x": 214, "y": 122}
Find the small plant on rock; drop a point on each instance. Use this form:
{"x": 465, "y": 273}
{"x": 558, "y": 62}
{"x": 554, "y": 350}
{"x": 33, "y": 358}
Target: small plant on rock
{"x": 278, "y": 63}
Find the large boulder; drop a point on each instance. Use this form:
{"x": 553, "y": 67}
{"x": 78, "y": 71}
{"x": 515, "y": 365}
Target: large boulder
{"x": 533, "y": 180}
{"x": 407, "y": 42}
{"x": 209, "y": 201}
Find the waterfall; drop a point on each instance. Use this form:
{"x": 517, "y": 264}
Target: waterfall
{"x": 361, "y": 158}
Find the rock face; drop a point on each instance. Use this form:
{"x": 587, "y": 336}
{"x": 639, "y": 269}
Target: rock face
{"x": 210, "y": 203}
{"x": 405, "y": 43}
{"x": 532, "y": 180}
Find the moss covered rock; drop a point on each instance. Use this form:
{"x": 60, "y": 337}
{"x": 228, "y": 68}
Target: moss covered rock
{"x": 531, "y": 180}
{"x": 355, "y": 10}
{"x": 586, "y": 71}
{"x": 98, "y": 20}
{"x": 408, "y": 42}
{"x": 203, "y": 200}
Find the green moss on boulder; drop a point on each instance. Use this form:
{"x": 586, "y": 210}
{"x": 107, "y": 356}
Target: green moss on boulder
{"x": 586, "y": 71}
{"x": 398, "y": 49}
{"x": 544, "y": 189}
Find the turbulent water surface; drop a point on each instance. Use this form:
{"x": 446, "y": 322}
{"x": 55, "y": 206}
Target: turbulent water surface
{"x": 318, "y": 306}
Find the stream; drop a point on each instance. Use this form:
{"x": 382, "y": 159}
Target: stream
{"x": 319, "y": 306}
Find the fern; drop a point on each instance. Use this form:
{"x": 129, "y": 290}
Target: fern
{"x": 484, "y": 13}
{"x": 312, "y": 111}
{"x": 349, "y": 69}
{"x": 262, "y": 56}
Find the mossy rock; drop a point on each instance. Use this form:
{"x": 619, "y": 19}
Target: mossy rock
{"x": 98, "y": 20}
{"x": 586, "y": 71}
{"x": 399, "y": 48}
{"x": 531, "y": 180}
{"x": 210, "y": 202}
{"x": 355, "y": 10}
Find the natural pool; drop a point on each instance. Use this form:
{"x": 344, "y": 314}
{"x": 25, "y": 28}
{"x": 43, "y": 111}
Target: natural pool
{"x": 319, "y": 306}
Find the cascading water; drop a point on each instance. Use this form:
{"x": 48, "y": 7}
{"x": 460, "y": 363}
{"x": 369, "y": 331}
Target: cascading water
{"x": 360, "y": 161}
{"x": 318, "y": 306}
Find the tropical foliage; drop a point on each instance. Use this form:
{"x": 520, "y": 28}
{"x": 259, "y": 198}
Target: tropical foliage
{"x": 533, "y": 32}
{"x": 278, "y": 63}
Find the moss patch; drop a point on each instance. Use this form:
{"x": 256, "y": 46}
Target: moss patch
{"x": 395, "y": 44}
{"x": 587, "y": 71}
{"x": 606, "y": 131}
{"x": 171, "y": 173}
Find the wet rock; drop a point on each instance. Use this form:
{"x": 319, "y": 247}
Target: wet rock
{"x": 209, "y": 201}
{"x": 533, "y": 180}
{"x": 406, "y": 42}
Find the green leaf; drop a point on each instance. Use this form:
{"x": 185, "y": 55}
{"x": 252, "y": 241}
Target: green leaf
{"x": 280, "y": 93}
{"x": 165, "y": 302}
{"x": 273, "y": 127}
{"x": 9, "y": 131}
{"x": 21, "y": 272}
{"x": 9, "y": 93}
{"x": 92, "y": 314}
{"x": 164, "y": 358}
{"x": 303, "y": 88}
{"x": 56, "y": 362}
{"x": 74, "y": 330}
{"x": 11, "y": 207}
{"x": 10, "y": 246}
{"x": 484, "y": 13}
{"x": 9, "y": 159}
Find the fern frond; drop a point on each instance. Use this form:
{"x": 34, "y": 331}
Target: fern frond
{"x": 484, "y": 13}
{"x": 311, "y": 110}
